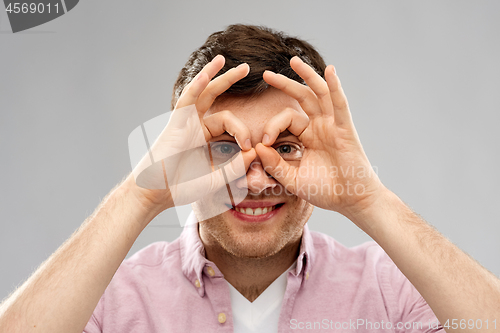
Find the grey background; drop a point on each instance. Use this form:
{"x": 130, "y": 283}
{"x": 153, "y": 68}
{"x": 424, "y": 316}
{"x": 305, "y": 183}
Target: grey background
{"x": 421, "y": 77}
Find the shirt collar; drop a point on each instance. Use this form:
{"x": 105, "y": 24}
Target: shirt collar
{"x": 306, "y": 256}
{"x": 194, "y": 261}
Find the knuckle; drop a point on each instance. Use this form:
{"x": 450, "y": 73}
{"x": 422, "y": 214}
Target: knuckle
{"x": 270, "y": 128}
{"x": 211, "y": 94}
{"x": 305, "y": 95}
{"x": 303, "y": 120}
{"x": 323, "y": 92}
{"x": 230, "y": 80}
{"x": 185, "y": 90}
{"x": 225, "y": 115}
{"x": 334, "y": 86}
{"x": 281, "y": 84}
{"x": 343, "y": 104}
{"x": 301, "y": 98}
{"x": 289, "y": 113}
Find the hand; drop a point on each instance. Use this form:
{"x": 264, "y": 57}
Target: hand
{"x": 178, "y": 168}
{"x": 334, "y": 172}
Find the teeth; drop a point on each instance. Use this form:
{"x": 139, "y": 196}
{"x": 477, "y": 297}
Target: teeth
{"x": 256, "y": 211}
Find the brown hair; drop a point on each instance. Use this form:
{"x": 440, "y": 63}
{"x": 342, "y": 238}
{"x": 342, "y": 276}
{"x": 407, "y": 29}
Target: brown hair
{"x": 260, "y": 47}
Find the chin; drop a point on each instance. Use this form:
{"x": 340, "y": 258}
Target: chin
{"x": 255, "y": 246}
{"x": 245, "y": 237}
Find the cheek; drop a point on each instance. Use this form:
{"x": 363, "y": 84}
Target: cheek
{"x": 301, "y": 210}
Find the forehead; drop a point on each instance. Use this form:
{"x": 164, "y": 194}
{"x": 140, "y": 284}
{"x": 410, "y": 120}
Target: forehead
{"x": 256, "y": 111}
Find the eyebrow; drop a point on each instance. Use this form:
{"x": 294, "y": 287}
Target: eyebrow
{"x": 222, "y": 135}
{"x": 284, "y": 134}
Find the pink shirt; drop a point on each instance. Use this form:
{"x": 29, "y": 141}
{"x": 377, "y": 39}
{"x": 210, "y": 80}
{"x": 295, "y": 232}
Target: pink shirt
{"x": 172, "y": 287}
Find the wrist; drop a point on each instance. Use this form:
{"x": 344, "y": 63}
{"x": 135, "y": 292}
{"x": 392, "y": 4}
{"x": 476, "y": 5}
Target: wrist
{"x": 373, "y": 214}
{"x": 148, "y": 203}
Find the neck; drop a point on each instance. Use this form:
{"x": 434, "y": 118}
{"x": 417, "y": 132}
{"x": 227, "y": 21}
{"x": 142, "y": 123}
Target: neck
{"x": 251, "y": 276}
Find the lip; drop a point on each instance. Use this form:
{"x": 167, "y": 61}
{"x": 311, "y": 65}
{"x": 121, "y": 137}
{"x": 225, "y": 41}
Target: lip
{"x": 256, "y": 218}
{"x": 256, "y": 204}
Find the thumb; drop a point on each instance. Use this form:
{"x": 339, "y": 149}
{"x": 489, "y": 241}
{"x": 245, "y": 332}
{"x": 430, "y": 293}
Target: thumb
{"x": 277, "y": 167}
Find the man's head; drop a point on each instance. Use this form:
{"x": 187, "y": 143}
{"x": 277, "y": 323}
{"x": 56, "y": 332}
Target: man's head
{"x": 241, "y": 231}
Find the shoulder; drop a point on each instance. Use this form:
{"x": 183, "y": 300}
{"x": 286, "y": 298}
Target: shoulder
{"x": 149, "y": 263}
{"x": 153, "y": 254}
{"x": 368, "y": 252}
{"x": 364, "y": 277}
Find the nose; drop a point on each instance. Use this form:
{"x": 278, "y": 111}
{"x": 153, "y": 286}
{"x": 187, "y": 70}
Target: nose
{"x": 257, "y": 179}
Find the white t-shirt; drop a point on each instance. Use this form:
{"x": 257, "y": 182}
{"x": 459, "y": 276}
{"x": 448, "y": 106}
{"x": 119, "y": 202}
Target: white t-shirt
{"x": 262, "y": 314}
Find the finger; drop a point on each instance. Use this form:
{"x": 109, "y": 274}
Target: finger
{"x": 193, "y": 90}
{"x": 303, "y": 94}
{"x": 225, "y": 121}
{"x": 339, "y": 100}
{"x": 190, "y": 95}
{"x": 276, "y": 166}
{"x": 239, "y": 165}
{"x": 218, "y": 85}
{"x": 207, "y": 182}
{"x": 212, "y": 68}
{"x": 296, "y": 122}
{"x": 315, "y": 82}
{"x": 234, "y": 169}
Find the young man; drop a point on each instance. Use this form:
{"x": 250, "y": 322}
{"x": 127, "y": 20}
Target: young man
{"x": 252, "y": 265}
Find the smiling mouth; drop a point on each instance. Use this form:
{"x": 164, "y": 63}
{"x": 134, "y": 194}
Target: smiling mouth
{"x": 256, "y": 210}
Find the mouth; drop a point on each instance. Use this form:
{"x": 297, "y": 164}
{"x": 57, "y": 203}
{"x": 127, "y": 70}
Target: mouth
{"x": 254, "y": 211}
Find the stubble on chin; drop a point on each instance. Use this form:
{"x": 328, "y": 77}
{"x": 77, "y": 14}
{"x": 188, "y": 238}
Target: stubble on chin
{"x": 255, "y": 242}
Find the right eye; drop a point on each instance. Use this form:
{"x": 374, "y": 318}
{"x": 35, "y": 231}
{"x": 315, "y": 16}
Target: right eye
{"x": 222, "y": 151}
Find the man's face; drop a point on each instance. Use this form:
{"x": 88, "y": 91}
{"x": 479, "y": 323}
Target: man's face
{"x": 268, "y": 218}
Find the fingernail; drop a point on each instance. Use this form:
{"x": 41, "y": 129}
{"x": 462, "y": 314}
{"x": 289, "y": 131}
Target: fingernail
{"x": 241, "y": 65}
{"x": 268, "y": 71}
{"x": 248, "y": 144}
{"x": 265, "y": 140}
{"x": 216, "y": 57}
{"x": 334, "y": 70}
{"x": 198, "y": 77}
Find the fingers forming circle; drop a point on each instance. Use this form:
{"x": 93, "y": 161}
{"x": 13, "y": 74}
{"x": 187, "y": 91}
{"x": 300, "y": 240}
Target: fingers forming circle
{"x": 226, "y": 121}
{"x": 289, "y": 119}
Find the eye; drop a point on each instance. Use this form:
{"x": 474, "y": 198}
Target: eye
{"x": 285, "y": 149}
{"x": 223, "y": 151}
{"x": 225, "y": 148}
{"x": 289, "y": 151}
